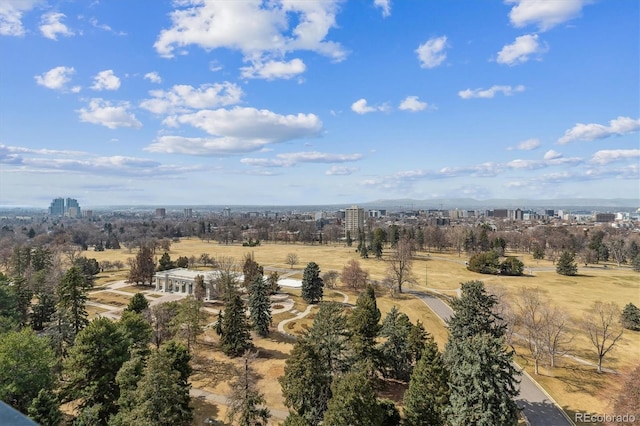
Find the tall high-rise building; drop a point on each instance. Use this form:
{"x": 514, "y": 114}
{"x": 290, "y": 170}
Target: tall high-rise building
{"x": 72, "y": 208}
{"x": 353, "y": 221}
{"x": 57, "y": 207}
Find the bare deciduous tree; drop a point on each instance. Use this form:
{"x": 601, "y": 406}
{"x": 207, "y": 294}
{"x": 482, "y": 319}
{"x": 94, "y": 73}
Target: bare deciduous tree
{"x": 555, "y": 332}
{"x": 292, "y": 259}
{"x": 603, "y": 328}
{"x": 400, "y": 263}
{"x": 353, "y": 275}
{"x": 531, "y": 321}
{"x": 330, "y": 278}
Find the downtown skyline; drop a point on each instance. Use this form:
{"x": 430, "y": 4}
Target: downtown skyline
{"x": 317, "y": 102}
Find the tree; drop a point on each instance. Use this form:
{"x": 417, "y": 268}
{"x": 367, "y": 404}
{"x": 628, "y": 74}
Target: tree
{"x": 379, "y": 237}
{"x": 272, "y": 282}
{"x": 250, "y": 270}
{"x": 165, "y": 263}
{"x": 137, "y": 330}
{"x": 353, "y": 402}
{"x": 42, "y": 312}
{"x": 93, "y": 363}
{"x": 162, "y": 316}
{"x": 330, "y": 335}
{"x": 473, "y": 312}
{"x": 159, "y": 397}
{"x": 566, "y": 264}
{"x": 511, "y": 266}
{"x": 635, "y": 263}
{"x": 348, "y": 238}
{"x": 427, "y": 396}
{"x": 630, "y": 317}
{"x": 312, "y": 283}
{"x": 484, "y": 263}
{"x": 396, "y": 360}
{"x": 72, "y": 298}
{"x": 138, "y": 304}
{"x": 291, "y": 259}
{"x": 142, "y": 267}
{"x": 188, "y": 320}
{"x": 400, "y": 262}
{"x": 364, "y": 325}
{"x": 182, "y": 262}
{"x": 330, "y": 278}
{"x": 259, "y": 306}
{"x": 27, "y": 367}
{"x": 531, "y": 318}
{"x": 538, "y": 252}
{"x": 234, "y": 328}
{"x": 45, "y": 409}
{"x": 603, "y": 328}
{"x": 89, "y": 267}
{"x": 246, "y": 404}
{"x": 354, "y": 276}
{"x": 306, "y": 389}
{"x": 628, "y": 400}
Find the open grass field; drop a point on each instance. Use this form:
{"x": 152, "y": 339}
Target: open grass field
{"x": 576, "y": 387}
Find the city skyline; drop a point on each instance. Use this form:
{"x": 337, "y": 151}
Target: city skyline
{"x": 297, "y": 103}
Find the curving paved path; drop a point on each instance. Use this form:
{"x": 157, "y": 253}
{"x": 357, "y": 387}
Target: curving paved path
{"x": 537, "y": 405}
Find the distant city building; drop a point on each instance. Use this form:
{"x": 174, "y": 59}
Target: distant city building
{"x": 188, "y": 212}
{"x": 161, "y": 212}
{"x": 501, "y": 213}
{"x": 226, "y": 212}
{"x": 88, "y": 214}
{"x": 353, "y": 220}
{"x": 61, "y": 207}
{"x": 605, "y": 217}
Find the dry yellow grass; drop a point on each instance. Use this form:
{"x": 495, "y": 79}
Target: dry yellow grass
{"x": 108, "y": 298}
{"x": 576, "y": 387}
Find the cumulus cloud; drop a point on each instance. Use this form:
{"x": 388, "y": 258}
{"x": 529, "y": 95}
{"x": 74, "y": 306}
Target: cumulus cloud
{"x": 431, "y": 53}
{"x": 527, "y": 145}
{"x": 361, "y": 107}
{"x": 106, "y": 80}
{"x": 521, "y": 50}
{"x": 109, "y": 115}
{"x": 552, "y": 155}
{"x": 293, "y": 158}
{"x": 385, "y": 5}
{"x": 610, "y": 155}
{"x": 491, "y": 92}
{"x": 153, "y": 77}
{"x": 51, "y": 26}
{"x": 544, "y": 14}
{"x": 183, "y": 98}
{"x": 341, "y": 171}
{"x": 260, "y": 30}
{"x": 237, "y": 130}
{"x": 272, "y": 70}
{"x": 413, "y": 104}
{"x": 11, "y": 12}
{"x": 589, "y": 132}
{"x": 56, "y": 78}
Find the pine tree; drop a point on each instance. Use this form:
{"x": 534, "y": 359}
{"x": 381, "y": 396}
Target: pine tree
{"x": 395, "y": 354}
{"x": 330, "y": 336}
{"x": 45, "y": 409}
{"x": 305, "y": 387}
{"x": 566, "y": 264}
{"x": 312, "y": 283}
{"x": 427, "y": 397}
{"x": 137, "y": 330}
{"x": 138, "y": 303}
{"x": 474, "y": 312}
{"x": 72, "y": 298}
{"x": 234, "y": 328}
{"x": 259, "y": 306}
{"x": 364, "y": 324}
{"x": 353, "y": 402}
{"x": 631, "y": 317}
{"x": 246, "y": 404}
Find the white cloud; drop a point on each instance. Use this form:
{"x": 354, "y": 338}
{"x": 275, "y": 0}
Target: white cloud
{"x": 272, "y": 70}
{"x": 527, "y": 145}
{"x": 589, "y": 132}
{"x": 94, "y": 22}
{"x": 237, "y": 130}
{"x": 552, "y": 155}
{"x": 106, "y": 114}
{"x": 11, "y": 12}
{"x": 361, "y": 107}
{"x": 341, "y": 171}
{"x": 385, "y": 5}
{"x": 544, "y": 13}
{"x": 611, "y": 155}
{"x": 153, "y": 77}
{"x": 260, "y": 30}
{"x": 431, "y": 52}
{"x": 106, "y": 80}
{"x": 521, "y": 50}
{"x": 183, "y": 97}
{"x": 51, "y": 26}
{"x": 56, "y": 78}
{"x": 412, "y": 103}
{"x": 293, "y": 158}
{"x": 491, "y": 92}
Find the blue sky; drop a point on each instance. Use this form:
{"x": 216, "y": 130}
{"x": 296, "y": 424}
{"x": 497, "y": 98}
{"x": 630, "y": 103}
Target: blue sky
{"x": 317, "y": 102}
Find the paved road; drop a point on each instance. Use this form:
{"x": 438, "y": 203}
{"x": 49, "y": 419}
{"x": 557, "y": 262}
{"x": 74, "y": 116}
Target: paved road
{"x": 537, "y": 406}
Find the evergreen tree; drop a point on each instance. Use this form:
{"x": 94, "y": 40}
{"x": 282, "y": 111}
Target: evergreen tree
{"x": 631, "y": 317}
{"x": 353, "y": 402}
{"x": 137, "y": 331}
{"x": 92, "y": 365}
{"x": 45, "y": 409}
{"x": 364, "y": 325}
{"x": 42, "y": 312}
{"x": 259, "y": 306}
{"x": 329, "y": 334}
{"x": 138, "y": 303}
{"x": 250, "y": 270}
{"x": 127, "y": 379}
{"x": 427, "y": 397}
{"x": 165, "y": 263}
{"x": 416, "y": 340}
{"x": 395, "y": 354}
{"x": 246, "y": 406}
{"x": 72, "y": 298}
{"x": 188, "y": 320}
{"x": 234, "y": 328}
{"x": 566, "y": 264}
{"x": 312, "y": 283}
{"x": 473, "y": 313}
{"x": 305, "y": 387}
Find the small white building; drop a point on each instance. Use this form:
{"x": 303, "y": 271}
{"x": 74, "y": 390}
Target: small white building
{"x": 183, "y": 281}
